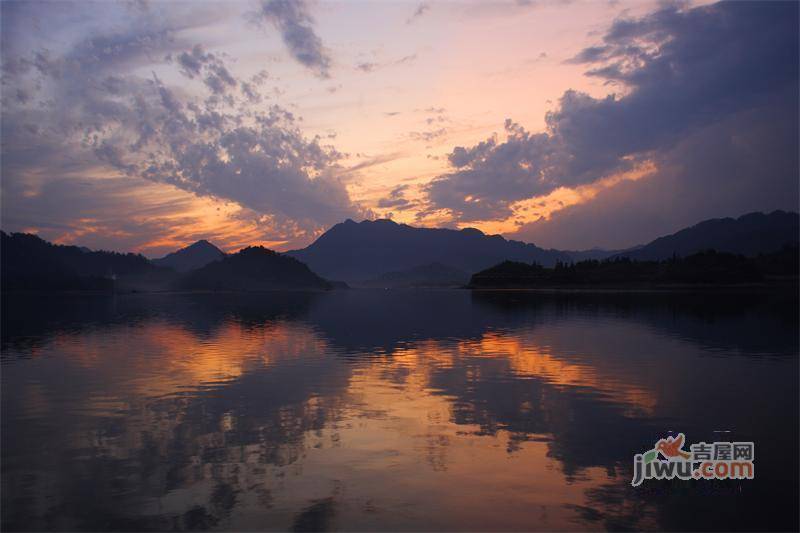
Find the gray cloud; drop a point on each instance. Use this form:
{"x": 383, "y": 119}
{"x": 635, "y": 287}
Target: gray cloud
{"x": 203, "y": 137}
{"x": 396, "y": 199}
{"x": 491, "y": 175}
{"x": 292, "y": 19}
{"x": 418, "y": 12}
{"x": 198, "y": 63}
{"x": 367, "y": 66}
{"x": 434, "y": 123}
{"x": 684, "y": 71}
{"x": 371, "y": 66}
{"x": 371, "y": 161}
{"x": 746, "y": 162}
{"x": 428, "y": 136}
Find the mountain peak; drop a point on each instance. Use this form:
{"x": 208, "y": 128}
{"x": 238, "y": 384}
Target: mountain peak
{"x": 202, "y": 243}
{"x": 192, "y": 257}
{"x": 370, "y": 248}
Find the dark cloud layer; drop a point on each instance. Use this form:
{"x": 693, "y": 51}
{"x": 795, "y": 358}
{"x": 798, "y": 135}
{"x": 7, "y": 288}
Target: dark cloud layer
{"x": 710, "y": 74}
{"x": 746, "y": 162}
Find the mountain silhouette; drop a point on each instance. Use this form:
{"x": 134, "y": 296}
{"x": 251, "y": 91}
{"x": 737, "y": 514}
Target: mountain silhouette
{"x": 191, "y": 257}
{"x": 31, "y": 263}
{"x": 251, "y": 269}
{"x": 362, "y": 251}
{"x": 378, "y": 253}
{"x": 430, "y": 275}
{"x": 748, "y": 235}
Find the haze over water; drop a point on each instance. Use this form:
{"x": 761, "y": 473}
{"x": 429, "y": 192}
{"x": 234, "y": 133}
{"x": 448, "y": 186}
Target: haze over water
{"x": 392, "y": 410}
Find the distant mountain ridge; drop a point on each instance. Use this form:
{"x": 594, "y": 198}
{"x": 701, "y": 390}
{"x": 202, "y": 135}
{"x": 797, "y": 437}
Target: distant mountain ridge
{"x": 749, "y": 235}
{"x": 430, "y": 275}
{"x": 362, "y": 251}
{"x": 372, "y": 253}
{"x": 194, "y": 256}
{"x": 31, "y": 263}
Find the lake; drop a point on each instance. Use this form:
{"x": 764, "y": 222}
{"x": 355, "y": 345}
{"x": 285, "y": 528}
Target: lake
{"x": 392, "y": 410}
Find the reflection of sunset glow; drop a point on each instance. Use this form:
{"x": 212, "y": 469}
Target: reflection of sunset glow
{"x": 538, "y": 361}
{"x": 384, "y": 412}
{"x": 187, "y": 360}
{"x": 525, "y": 360}
{"x": 415, "y": 439}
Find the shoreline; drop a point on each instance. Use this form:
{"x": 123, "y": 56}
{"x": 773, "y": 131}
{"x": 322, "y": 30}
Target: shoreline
{"x": 793, "y": 286}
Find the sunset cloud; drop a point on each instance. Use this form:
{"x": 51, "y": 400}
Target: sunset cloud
{"x": 684, "y": 73}
{"x": 321, "y": 112}
{"x": 200, "y": 136}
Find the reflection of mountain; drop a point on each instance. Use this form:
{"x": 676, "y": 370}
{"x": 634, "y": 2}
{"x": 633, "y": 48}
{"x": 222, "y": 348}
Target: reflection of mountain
{"x": 34, "y": 321}
{"x": 750, "y": 323}
{"x": 191, "y": 257}
{"x": 360, "y": 251}
{"x": 731, "y": 321}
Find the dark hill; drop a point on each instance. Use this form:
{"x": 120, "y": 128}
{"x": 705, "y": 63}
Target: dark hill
{"x": 252, "y": 269}
{"x": 363, "y": 251}
{"x": 748, "y": 235}
{"x": 192, "y": 257}
{"x": 31, "y": 263}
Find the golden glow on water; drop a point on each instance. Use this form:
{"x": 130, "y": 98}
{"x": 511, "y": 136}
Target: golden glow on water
{"x": 184, "y": 359}
{"x": 388, "y": 430}
{"x": 539, "y": 361}
{"x": 246, "y": 418}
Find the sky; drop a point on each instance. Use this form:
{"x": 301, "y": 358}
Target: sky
{"x": 145, "y": 126}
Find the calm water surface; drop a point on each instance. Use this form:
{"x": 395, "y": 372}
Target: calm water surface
{"x": 401, "y": 410}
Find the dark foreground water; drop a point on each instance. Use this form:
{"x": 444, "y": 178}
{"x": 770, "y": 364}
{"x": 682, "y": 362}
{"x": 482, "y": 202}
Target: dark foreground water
{"x": 397, "y": 410}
